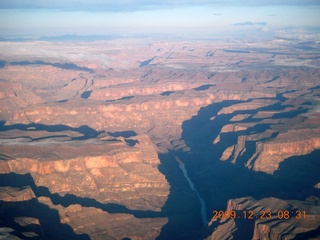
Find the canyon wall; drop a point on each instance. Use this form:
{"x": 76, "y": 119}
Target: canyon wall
{"x": 269, "y": 218}
{"x": 89, "y": 138}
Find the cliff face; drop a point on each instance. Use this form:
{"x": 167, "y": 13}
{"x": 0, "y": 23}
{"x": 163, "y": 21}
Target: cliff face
{"x": 270, "y": 152}
{"x": 267, "y": 133}
{"x": 9, "y": 194}
{"x": 301, "y": 219}
{"x": 101, "y": 170}
{"x": 141, "y": 114}
{"x": 15, "y": 198}
{"x": 100, "y": 224}
{"x": 93, "y": 173}
{"x": 268, "y": 155}
{"x": 92, "y": 135}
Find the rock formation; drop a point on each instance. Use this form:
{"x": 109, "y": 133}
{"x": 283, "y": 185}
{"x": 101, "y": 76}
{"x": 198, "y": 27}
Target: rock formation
{"x": 88, "y": 138}
{"x": 271, "y": 218}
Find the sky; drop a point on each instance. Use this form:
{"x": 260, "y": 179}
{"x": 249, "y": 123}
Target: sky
{"x": 103, "y": 17}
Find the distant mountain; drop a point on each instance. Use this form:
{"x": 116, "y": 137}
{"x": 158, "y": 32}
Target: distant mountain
{"x": 62, "y": 38}
{"x": 80, "y": 38}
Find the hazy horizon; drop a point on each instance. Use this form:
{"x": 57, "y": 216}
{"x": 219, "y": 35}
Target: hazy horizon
{"x": 188, "y": 17}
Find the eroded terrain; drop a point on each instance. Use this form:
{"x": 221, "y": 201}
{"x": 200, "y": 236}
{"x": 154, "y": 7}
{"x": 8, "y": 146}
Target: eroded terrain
{"x": 90, "y": 134}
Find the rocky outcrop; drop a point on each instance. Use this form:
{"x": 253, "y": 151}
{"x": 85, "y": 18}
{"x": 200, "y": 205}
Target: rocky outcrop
{"x": 247, "y": 106}
{"x": 12, "y": 199}
{"x": 272, "y": 218}
{"x": 99, "y": 224}
{"x": 65, "y": 119}
{"x": 270, "y": 152}
{"x": 293, "y": 143}
{"x": 275, "y": 131}
{"x": 105, "y": 171}
{"x": 99, "y": 172}
{"x": 9, "y": 194}
{"x": 224, "y": 231}
{"x": 118, "y": 92}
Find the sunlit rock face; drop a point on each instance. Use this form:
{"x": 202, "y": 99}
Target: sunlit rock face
{"x": 90, "y": 140}
{"x": 106, "y": 171}
{"x": 269, "y": 218}
{"x": 83, "y": 176}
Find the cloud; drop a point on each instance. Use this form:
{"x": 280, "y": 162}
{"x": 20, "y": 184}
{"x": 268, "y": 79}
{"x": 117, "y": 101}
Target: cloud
{"x": 248, "y": 23}
{"x": 133, "y": 5}
{"x": 217, "y": 14}
{"x": 264, "y": 29}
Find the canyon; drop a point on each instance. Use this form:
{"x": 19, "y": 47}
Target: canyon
{"x": 144, "y": 139}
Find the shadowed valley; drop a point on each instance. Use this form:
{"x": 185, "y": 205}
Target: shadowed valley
{"x": 144, "y": 139}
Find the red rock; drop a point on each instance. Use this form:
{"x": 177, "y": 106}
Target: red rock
{"x": 155, "y": 101}
{"x": 274, "y": 227}
{"x": 9, "y": 194}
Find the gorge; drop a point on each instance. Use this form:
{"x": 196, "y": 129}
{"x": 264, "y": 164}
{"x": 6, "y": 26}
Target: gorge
{"x": 202, "y": 203}
{"x": 145, "y": 139}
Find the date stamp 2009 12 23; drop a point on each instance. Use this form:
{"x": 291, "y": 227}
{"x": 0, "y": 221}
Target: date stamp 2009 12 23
{"x": 262, "y": 214}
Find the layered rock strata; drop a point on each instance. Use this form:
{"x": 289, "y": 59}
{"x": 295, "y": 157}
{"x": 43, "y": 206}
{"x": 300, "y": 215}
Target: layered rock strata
{"x": 86, "y": 129}
{"x": 270, "y": 218}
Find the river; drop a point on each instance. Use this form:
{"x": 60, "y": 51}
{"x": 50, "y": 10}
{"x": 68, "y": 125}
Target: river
{"x": 202, "y": 203}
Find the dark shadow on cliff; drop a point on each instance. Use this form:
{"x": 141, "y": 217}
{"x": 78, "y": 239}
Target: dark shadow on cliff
{"x": 66, "y": 66}
{"x": 219, "y": 181}
{"x": 2, "y": 63}
{"x": 125, "y": 134}
{"x": 86, "y": 94}
{"x": 181, "y": 207}
{"x": 50, "y": 226}
{"x": 20, "y": 181}
{"x": 314, "y": 234}
{"x": 85, "y": 130}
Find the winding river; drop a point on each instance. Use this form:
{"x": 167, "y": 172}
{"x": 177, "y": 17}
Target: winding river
{"x": 202, "y": 203}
